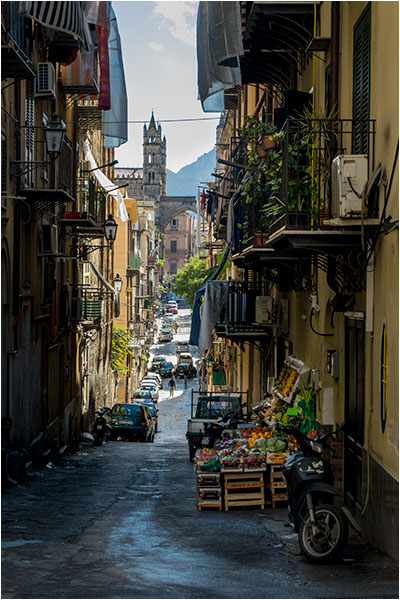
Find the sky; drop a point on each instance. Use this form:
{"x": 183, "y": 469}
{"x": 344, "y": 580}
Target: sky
{"x": 159, "y": 52}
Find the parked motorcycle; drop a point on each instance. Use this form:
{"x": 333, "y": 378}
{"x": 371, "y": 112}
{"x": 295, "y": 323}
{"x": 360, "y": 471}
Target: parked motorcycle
{"x": 321, "y": 526}
{"x": 102, "y": 426}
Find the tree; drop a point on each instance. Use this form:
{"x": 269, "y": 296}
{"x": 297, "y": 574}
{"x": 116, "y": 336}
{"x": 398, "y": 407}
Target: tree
{"x": 189, "y": 279}
{"x": 120, "y": 350}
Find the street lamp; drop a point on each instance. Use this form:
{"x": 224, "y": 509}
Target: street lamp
{"x": 117, "y": 283}
{"x": 110, "y": 228}
{"x": 54, "y": 134}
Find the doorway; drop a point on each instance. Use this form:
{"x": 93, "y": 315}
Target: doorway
{"x": 354, "y": 411}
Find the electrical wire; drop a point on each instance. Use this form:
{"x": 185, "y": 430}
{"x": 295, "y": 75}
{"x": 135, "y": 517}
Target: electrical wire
{"x": 188, "y": 120}
{"x": 314, "y": 330}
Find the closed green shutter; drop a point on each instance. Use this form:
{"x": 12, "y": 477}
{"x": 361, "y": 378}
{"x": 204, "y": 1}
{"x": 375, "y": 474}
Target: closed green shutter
{"x": 361, "y": 81}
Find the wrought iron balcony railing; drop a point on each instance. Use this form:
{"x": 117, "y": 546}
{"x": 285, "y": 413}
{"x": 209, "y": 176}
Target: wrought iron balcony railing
{"x": 293, "y": 187}
{"x": 16, "y": 43}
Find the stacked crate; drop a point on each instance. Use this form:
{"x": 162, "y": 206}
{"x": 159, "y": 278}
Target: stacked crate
{"x": 209, "y": 490}
{"x": 278, "y": 486}
{"x": 244, "y": 489}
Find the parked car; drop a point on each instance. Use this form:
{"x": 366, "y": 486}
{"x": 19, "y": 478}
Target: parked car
{"x": 183, "y": 368}
{"x": 185, "y": 358}
{"x": 154, "y": 378}
{"x": 157, "y": 360}
{"x": 182, "y": 347}
{"x": 173, "y": 310}
{"x": 133, "y": 421}
{"x": 141, "y": 395}
{"x": 152, "y": 388}
{"x": 166, "y": 369}
{"x": 165, "y": 335}
{"x": 154, "y": 412}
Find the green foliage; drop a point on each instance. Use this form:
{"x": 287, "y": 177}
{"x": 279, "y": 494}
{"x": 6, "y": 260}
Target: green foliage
{"x": 160, "y": 262}
{"x": 189, "y": 279}
{"x": 120, "y": 350}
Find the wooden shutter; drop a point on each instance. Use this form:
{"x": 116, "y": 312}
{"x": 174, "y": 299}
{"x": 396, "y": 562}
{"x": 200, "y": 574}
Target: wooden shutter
{"x": 361, "y": 81}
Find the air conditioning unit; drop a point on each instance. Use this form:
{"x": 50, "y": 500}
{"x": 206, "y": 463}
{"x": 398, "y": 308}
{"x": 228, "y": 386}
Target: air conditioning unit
{"x": 76, "y": 309}
{"x": 349, "y": 175}
{"x": 265, "y": 310}
{"x": 49, "y": 239}
{"x": 45, "y": 80}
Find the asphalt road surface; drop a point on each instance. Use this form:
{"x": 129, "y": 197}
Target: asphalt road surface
{"x": 121, "y": 521}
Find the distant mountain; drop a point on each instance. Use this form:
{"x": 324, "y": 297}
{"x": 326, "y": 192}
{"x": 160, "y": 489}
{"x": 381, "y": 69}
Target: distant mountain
{"x": 186, "y": 180}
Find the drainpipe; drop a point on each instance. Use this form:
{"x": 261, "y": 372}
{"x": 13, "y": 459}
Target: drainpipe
{"x": 335, "y": 52}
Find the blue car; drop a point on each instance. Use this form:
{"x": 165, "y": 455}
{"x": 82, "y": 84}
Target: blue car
{"x": 132, "y": 421}
{"x": 153, "y": 410}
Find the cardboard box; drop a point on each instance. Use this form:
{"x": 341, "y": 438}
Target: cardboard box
{"x": 276, "y": 458}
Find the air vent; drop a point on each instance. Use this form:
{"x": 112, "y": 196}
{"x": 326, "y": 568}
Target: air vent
{"x": 45, "y": 80}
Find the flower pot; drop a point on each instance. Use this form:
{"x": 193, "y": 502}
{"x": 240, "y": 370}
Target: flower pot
{"x": 323, "y": 214}
{"x": 298, "y": 220}
{"x": 260, "y": 239}
{"x": 268, "y": 141}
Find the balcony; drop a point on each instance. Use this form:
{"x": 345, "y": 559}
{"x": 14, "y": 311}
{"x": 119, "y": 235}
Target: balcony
{"x": 16, "y": 43}
{"x": 134, "y": 263}
{"x": 285, "y": 214}
{"x": 90, "y": 220}
{"x": 246, "y": 314}
{"x": 81, "y": 77}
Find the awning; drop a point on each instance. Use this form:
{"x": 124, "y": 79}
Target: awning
{"x": 219, "y": 46}
{"x": 106, "y": 184}
{"x": 67, "y": 17}
{"x": 131, "y": 207}
{"x": 115, "y": 120}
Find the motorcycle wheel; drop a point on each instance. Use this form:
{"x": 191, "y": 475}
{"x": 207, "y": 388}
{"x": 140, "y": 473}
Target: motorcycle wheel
{"x": 326, "y": 540}
{"x": 98, "y": 440}
{"x": 107, "y": 435}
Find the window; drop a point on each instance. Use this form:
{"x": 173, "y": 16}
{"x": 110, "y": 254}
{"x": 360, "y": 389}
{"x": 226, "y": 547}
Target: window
{"x": 150, "y": 158}
{"x": 361, "y": 81}
{"x": 173, "y": 245}
{"x": 384, "y": 379}
{"x": 173, "y": 268}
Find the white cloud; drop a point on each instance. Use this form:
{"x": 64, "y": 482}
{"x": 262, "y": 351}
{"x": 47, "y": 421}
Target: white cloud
{"x": 155, "y": 47}
{"x": 180, "y": 19}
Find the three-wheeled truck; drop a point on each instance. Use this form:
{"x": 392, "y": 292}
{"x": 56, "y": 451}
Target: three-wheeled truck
{"x": 211, "y": 407}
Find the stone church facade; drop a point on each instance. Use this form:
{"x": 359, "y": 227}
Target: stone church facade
{"x": 148, "y": 184}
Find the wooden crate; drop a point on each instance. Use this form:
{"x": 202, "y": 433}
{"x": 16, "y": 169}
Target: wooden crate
{"x": 244, "y": 489}
{"x": 209, "y": 490}
{"x": 278, "y": 486}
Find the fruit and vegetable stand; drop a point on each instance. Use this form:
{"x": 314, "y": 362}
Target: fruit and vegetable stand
{"x": 249, "y": 466}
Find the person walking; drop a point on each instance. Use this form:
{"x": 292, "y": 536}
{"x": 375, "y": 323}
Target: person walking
{"x": 185, "y": 378}
{"x": 171, "y": 384}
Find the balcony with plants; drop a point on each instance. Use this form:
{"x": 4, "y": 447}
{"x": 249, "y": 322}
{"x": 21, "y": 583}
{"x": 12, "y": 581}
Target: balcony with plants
{"x": 287, "y": 205}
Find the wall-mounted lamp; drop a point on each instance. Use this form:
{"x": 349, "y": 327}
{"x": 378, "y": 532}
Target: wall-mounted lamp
{"x": 110, "y": 229}
{"x": 117, "y": 283}
{"x": 54, "y": 134}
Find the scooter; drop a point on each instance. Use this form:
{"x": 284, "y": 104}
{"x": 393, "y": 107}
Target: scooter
{"x": 101, "y": 426}
{"x": 321, "y": 526}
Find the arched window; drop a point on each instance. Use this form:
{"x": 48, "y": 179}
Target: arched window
{"x": 150, "y": 158}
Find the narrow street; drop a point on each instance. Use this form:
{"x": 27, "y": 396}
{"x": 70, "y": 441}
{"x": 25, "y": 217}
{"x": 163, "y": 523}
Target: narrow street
{"x": 121, "y": 521}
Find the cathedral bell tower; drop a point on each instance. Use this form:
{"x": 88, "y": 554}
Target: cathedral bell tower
{"x": 154, "y": 162}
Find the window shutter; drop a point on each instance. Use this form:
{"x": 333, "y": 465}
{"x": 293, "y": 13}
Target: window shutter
{"x": 361, "y": 81}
